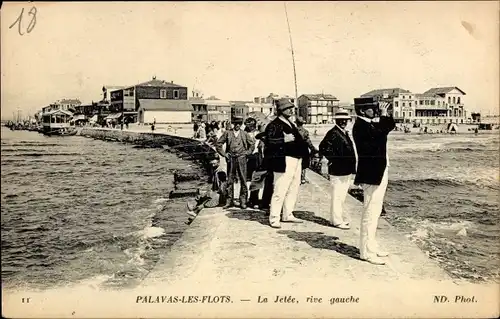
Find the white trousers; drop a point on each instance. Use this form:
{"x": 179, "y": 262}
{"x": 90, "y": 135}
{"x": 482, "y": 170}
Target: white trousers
{"x": 286, "y": 190}
{"x": 340, "y": 187}
{"x": 373, "y": 202}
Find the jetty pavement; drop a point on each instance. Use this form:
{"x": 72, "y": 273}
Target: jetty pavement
{"x": 235, "y": 245}
{"x": 229, "y": 246}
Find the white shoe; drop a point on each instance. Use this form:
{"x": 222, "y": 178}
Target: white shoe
{"x": 275, "y": 225}
{"x": 374, "y": 260}
{"x": 342, "y": 226}
{"x": 292, "y": 219}
{"x": 382, "y": 254}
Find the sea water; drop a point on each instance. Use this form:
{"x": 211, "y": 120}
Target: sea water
{"x": 79, "y": 210}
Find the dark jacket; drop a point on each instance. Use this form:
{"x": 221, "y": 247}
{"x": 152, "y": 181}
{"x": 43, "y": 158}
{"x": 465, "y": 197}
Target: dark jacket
{"x": 338, "y": 149}
{"x": 305, "y": 135}
{"x": 371, "y": 145}
{"x": 275, "y": 148}
{"x": 226, "y": 138}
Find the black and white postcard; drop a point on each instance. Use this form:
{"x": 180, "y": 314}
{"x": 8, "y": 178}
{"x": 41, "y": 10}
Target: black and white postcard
{"x": 328, "y": 159}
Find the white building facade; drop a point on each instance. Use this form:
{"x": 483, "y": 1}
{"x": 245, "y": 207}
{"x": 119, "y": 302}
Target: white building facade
{"x": 435, "y": 106}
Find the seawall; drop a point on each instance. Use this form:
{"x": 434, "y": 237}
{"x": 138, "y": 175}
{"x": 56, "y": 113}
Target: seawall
{"x": 186, "y": 148}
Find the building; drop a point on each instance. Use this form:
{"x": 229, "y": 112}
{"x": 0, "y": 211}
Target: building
{"x": 152, "y": 101}
{"x": 68, "y": 104}
{"x": 85, "y": 111}
{"x": 435, "y": 106}
{"x": 263, "y": 104}
{"x": 317, "y": 108}
{"x": 199, "y": 112}
{"x": 164, "y": 111}
{"x": 441, "y": 105}
{"x": 108, "y": 89}
{"x": 239, "y": 109}
{"x": 218, "y": 110}
{"x": 63, "y": 105}
{"x": 349, "y": 107}
{"x": 266, "y": 104}
{"x": 210, "y": 109}
{"x": 402, "y": 100}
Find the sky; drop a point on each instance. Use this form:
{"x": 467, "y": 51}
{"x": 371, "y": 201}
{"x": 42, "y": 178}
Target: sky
{"x": 236, "y": 51}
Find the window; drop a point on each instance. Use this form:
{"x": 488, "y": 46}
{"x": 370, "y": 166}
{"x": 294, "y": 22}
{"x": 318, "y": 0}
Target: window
{"x": 404, "y": 97}
{"x": 409, "y": 104}
{"x": 458, "y": 100}
{"x": 421, "y": 102}
{"x": 439, "y": 103}
{"x": 163, "y": 94}
{"x": 409, "y": 115}
{"x": 396, "y": 113}
{"x": 449, "y": 100}
{"x": 397, "y": 104}
{"x": 404, "y": 113}
{"x": 176, "y": 94}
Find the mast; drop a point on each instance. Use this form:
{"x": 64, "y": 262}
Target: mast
{"x": 293, "y": 61}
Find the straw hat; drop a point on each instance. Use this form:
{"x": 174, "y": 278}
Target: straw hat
{"x": 342, "y": 114}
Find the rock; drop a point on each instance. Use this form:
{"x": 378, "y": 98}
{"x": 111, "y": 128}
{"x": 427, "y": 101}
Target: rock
{"x": 178, "y": 193}
{"x": 184, "y": 176}
{"x": 462, "y": 232}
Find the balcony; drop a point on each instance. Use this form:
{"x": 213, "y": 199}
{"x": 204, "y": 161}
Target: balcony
{"x": 431, "y": 107}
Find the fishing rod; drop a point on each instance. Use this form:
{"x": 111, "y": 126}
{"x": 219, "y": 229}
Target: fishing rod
{"x": 293, "y": 60}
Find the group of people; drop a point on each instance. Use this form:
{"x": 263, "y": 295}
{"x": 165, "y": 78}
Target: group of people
{"x": 250, "y": 153}
{"x": 210, "y": 131}
{"x": 282, "y": 150}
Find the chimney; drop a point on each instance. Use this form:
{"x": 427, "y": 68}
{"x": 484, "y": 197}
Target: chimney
{"x": 172, "y": 82}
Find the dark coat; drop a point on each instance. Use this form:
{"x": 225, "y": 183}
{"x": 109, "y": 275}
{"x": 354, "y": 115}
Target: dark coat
{"x": 305, "y": 135}
{"x": 371, "y": 144}
{"x": 275, "y": 148}
{"x": 338, "y": 148}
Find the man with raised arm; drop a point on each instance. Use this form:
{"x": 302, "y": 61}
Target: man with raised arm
{"x": 370, "y": 137}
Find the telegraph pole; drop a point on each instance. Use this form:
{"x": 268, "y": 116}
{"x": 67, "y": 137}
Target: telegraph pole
{"x": 293, "y": 61}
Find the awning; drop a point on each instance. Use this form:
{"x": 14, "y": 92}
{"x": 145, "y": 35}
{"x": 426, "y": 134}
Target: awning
{"x": 113, "y": 116}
